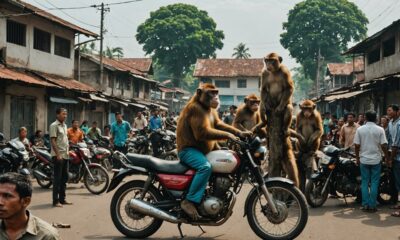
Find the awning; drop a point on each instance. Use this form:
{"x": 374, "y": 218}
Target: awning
{"x": 175, "y": 100}
{"x": 85, "y": 99}
{"x": 96, "y": 98}
{"x": 343, "y": 96}
{"x": 160, "y": 107}
{"x": 121, "y": 102}
{"x": 138, "y": 105}
{"x": 63, "y": 100}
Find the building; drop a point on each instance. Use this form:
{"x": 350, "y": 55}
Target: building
{"x": 175, "y": 98}
{"x": 235, "y": 78}
{"x": 37, "y": 68}
{"x": 380, "y": 86}
{"x": 340, "y": 75}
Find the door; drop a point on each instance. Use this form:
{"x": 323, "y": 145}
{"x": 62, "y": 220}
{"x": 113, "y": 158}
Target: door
{"x": 22, "y": 115}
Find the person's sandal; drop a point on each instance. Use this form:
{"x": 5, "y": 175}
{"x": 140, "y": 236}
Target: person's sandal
{"x": 61, "y": 225}
{"x": 364, "y": 208}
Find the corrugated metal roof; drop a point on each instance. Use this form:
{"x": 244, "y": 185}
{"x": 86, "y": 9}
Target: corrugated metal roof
{"x": 144, "y": 65}
{"x": 42, "y": 13}
{"x": 228, "y": 67}
{"x": 21, "y": 75}
{"x": 344, "y": 95}
{"x": 67, "y": 83}
{"x": 346, "y": 68}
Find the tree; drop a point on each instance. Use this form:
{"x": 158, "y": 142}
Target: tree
{"x": 113, "y": 52}
{"x": 325, "y": 25}
{"x": 302, "y": 84}
{"x": 241, "y": 51}
{"x": 88, "y": 48}
{"x": 177, "y": 35}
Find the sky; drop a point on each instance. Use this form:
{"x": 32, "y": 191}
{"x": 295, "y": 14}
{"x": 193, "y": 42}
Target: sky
{"x": 257, "y": 23}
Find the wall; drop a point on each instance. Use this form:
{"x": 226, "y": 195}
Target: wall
{"x": 27, "y": 57}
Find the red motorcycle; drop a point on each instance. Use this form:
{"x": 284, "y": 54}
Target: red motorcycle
{"x": 95, "y": 177}
{"x": 275, "y": 208}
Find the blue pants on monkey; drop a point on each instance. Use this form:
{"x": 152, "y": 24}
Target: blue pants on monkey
{"x": 196, "y": 160}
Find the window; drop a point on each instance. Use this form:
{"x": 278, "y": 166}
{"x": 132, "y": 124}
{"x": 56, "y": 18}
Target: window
{"x": 222, "y": 83}
{"x": 206, "y": 80}
{"x": 41, "y": 40}
{"x": 242, "y": 83}
{"x": 389, "y": 47}
{"x": 128, "y": 84}
{"x": 16, "y": 33}
{"x": 118, "y": 84}
{"x": 240, "y": 99}
{"x": 226, "y": 99}
{"x": 62, "y": 47}
{"x": 146, "y": 87}
{"x": 374, "y": 56}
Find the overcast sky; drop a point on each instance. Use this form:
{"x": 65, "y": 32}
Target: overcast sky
{"x": 258, "y": 23}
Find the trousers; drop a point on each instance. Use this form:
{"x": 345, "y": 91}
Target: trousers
{"x": 60, "y": 180}
{"x": 370, "y": 177}
{"x": 196, "y": 160}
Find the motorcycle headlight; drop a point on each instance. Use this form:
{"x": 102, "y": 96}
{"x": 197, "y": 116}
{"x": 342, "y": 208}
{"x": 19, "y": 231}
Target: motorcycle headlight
{"x": 85, "y": 152}
{"x": 260, "y": 153}
{"x": 26, "y": 157}
{"x": 325, "y": 160}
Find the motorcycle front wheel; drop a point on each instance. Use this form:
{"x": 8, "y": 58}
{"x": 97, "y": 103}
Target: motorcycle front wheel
{"x": 99, "y": 183}
{"x": 292, "y": 212}
{"x": 313, "y": 193}
{"x": 128, "y": 222}
{"x": 44, "y": 183}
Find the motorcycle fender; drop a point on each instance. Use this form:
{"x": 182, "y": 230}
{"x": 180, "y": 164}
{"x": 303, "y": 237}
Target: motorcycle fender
{"x": 120, "y": 175}
{"x": 94, "y": 165}
{"x": 266, "y": 180}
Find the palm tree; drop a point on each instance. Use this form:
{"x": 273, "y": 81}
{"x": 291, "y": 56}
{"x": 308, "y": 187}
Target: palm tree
{"x": 88, "y": 48}
{"x": 241, "y": 51}
{"x": 113, "y": 52}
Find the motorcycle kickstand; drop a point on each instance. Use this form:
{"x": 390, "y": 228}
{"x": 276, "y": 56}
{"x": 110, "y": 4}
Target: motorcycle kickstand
{"x": 180, "y": 230}
{"x": 201, "y": 229}
{"x": 345, "y": 199}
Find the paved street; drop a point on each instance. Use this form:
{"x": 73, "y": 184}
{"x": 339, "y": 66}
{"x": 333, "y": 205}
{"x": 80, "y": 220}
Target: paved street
{"x": 90, "y": 219}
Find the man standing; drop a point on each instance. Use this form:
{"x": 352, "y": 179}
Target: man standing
{"x": 228, "y": 119}
{"x": 140, "y": 122}
{"x": 59, "y": 153}
{"x": 155, "y": 123}
{"x": 348, "y": 132}
{"x": 74, "y": 133}
{"x": 94, "y": 133}
{"x": 326, "y": 122}
{"x": 370, "y": 141}
{"x": 120, "y": 130}
{"x": 394, "y": 143}
{"x": 361, "y": 119}
{"x": 16, "y": 221}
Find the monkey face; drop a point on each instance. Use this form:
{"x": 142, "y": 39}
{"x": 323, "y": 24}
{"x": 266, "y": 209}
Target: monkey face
{"x": 272, "y": 62}
{"x": 253, "y": 105}
{"x": 307, "y": 112}
{"x": 213, "y": 98}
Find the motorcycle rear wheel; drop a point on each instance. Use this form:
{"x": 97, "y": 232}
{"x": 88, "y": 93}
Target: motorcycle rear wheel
{"x": 46, "y": 184}
{"x": 119, "y": 207}
{"x": 97, "y": 172}
{"x": 313, "y": 193}
{"x": 287, "y": 198}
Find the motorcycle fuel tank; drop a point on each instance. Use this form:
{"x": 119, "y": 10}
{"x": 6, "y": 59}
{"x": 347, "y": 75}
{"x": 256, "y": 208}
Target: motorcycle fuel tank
{"x": 223, "y": 161}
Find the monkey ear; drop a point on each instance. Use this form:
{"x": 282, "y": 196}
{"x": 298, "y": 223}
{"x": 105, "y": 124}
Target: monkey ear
{"x": 280, "y": 59}
{"x": 198, "y": 91}
{"x": 245, "y": 100}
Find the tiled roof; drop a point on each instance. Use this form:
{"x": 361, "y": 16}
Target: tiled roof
{"x": 21, "y": 75}
{"x": 346, "y": 68}
{"x": 40, "y": 12}
{"x": 228, "y": 67}
{"x": 67, "y": 83}
{"x": 142, "y": 64}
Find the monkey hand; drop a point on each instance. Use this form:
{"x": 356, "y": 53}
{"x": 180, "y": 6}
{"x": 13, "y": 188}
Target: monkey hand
{"x": 232, "y": 137}
{"x": 280, "y": 108}
{"x": 245, "y": 134}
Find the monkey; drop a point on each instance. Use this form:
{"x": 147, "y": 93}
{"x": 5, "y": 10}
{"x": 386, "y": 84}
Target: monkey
{"x": 310, "y": 129}
{"x": 198, "y": 130}
{"x": 248, "y": 116}
{"x": 276, "y": 111}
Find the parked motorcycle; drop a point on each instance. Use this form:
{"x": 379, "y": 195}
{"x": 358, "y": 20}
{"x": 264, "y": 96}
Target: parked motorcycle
{"x": 140, "y": 143}
{"x": 275, "y": 208}
{"x": 14, "y": 158}
{"x": 340, "y": 174}
{"x": 95, "y": 177}
{"x": 100, "y": 155}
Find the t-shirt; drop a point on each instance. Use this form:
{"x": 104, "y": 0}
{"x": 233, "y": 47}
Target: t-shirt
{"x": 155, "y": 123}
{"x": 58, "y": 130}
{"x": 120, "y": 132}
{"x": 140, "y": 123}
{"x": 229, "y": 119}
{"x": 75, "y": 136}
{"x": 326, "y": 123}
{"x": 94, "y": 134}
{"x": 370, "y": 137}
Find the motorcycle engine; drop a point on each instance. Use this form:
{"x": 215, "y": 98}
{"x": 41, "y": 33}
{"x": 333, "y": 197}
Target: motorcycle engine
{"x": 346, "y": 186}
{"x": 213, "y": 203}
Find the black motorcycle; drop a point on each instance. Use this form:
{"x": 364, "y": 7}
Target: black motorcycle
{"x": 14, "y": 158}
{"x": 342, "y": 175}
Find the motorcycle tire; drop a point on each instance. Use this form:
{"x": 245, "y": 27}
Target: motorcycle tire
{"x": 115, "y": 216}
{"x": 309, "y": 191}
{"x": 46, "y": 184}
{"x": 87, "y": 180}
{"x": 296, "y": 194}
{"x": 385, "y": 193}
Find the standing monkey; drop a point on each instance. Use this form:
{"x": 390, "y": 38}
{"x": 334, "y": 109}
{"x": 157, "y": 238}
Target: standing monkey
{"x": 310, "y": 130}
{"x": 276, "y": 110}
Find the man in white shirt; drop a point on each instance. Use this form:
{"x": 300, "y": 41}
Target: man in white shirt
{"x": 370, "y": 141}
{"x": 140, "y": 122}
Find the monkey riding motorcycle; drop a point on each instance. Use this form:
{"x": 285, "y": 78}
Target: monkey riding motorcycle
{"x": 275, "y": 208}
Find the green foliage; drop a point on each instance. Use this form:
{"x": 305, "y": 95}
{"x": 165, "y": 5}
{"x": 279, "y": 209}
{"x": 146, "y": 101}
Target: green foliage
{"x": 303, "y": 85}
{"x": 328, "y": 25}
{"x": 110, "y": 52}
{"x": 88, "y": 48}
{"x": 177, "y": 35}
{"x": 241, "y": 51}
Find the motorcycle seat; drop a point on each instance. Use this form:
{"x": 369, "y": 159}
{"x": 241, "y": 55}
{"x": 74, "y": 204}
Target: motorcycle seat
{"x": 156, "y": 164}
{"x": 45, "y": 154}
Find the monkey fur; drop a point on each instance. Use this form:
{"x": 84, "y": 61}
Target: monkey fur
{"x": 199, "y": 125}
{"x": 248, "y": 116}
{"x": 276, "y": 110}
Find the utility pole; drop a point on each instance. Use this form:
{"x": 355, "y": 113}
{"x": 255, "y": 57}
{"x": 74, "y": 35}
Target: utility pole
{"x": 101, "y": 42}
{"x": 318, "y": 67}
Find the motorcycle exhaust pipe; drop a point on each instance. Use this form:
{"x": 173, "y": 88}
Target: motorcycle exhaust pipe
{"x": 150, "y": 210}
{"x": 40, "y": 175}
